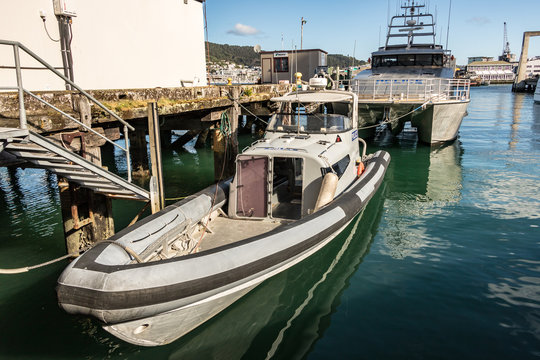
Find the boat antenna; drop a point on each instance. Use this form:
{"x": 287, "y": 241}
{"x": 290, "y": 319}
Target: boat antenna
{"x": 353, "y": 53}
{"x": 448, "y": 28}
{"x": 387, "y": 15}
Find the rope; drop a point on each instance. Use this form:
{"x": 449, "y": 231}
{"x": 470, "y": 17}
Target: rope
{"x": 73, "y": 254}
{"x": 256, "y": 117}
{"x": 225, "y": 125}
{"x": 176, "y": 198}
{"x": 399, "y": 117}
{"x": 28, "y": 268}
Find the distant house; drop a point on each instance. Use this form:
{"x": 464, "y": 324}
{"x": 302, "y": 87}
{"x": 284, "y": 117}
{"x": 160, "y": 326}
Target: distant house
{"x": 280, "y": 66}
{"x": 492, "y": 71}
{"x": 114, "y": 44}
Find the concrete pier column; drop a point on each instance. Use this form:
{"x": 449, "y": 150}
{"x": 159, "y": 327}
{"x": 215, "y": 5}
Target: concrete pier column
{"x": 139, "y": 153}
{"x": 519, "y": 82}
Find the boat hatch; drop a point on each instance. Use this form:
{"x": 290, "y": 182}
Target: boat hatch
{"x": 286, "y": 196}
{"x": 268, "y": 187}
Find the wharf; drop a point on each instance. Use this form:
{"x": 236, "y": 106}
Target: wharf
{"x": 181, "y": 108}
{"x": 64, "y": 132}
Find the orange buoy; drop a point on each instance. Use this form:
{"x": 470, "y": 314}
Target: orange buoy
{"x": 359, "y": 168}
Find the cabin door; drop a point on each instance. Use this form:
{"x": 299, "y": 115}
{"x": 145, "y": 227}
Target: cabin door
{"x": 267, "y": 71}
{"x": 252, "y": 186}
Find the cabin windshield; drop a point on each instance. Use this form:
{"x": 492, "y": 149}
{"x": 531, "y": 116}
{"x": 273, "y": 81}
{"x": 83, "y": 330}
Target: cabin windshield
{"x": 408, "y": 60}
{"x": 313, "y": 118}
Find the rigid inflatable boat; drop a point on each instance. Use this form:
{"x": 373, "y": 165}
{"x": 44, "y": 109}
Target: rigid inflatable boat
{"x": 292, "y": 193}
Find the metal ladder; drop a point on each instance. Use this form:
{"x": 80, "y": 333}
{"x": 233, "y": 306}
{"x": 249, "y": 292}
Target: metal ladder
{"x": 44, "y": 153}
{"x": 28, "y": 146}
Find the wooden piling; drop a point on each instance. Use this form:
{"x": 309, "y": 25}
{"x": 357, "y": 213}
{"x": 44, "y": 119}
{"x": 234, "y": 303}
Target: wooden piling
{"x": 87, "y": 217}
{"x": 155, "y": 156}
{"x": 201, "y": 140}
{"x": 139, "y": 154}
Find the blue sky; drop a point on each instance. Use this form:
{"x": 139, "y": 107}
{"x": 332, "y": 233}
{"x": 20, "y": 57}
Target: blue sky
{"x": 476, "y": 26}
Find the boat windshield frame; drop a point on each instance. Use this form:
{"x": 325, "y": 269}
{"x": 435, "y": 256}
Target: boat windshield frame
{"x": 312, "y": 118}
{"x": 409, "y": 59}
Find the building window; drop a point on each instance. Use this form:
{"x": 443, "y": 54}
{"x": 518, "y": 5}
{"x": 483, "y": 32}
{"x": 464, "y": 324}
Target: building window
{"x": 281, "y": 64}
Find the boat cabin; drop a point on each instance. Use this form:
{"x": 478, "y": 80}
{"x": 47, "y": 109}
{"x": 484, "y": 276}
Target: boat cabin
{"x": 311, "y": 135}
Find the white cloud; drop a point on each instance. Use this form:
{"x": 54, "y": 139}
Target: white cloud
{"x": 479, "y": 20}
{"x": 243, "y": 30}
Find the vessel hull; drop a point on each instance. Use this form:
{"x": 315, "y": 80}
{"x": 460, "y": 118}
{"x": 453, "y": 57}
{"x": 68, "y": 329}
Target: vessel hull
{"x": 154, "y": 303}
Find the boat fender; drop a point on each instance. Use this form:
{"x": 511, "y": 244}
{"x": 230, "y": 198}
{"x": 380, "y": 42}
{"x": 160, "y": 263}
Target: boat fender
{"x": 360, "y": 167}
{"x": 328, "y": 190}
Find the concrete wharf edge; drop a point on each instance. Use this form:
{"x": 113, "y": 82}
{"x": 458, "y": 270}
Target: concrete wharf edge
{"x": 131, "y": 104}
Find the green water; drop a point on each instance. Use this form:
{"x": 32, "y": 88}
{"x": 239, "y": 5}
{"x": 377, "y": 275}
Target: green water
{"x": 444, "y": 263}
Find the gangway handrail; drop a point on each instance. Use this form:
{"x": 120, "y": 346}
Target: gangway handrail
{"x": 73, "y": 119}
{"x": 22, "y": 112}
{"x": 17, "y": 44}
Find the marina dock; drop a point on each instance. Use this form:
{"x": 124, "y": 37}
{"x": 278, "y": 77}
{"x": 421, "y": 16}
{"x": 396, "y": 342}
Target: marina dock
{"x": 64, "y": 132}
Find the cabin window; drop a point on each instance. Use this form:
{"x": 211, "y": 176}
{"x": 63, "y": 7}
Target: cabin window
{"x": 405, "y": 60}
{"x": 408, "y": 60}
{"x": 437, "y": 60}
{"x": 287, "y": 181}
{"x": 339, "y": 167}
{"x": 424, "y": 60}
{"x": 252, "y": 186}
{"x": 281, "y": 64}
{"x": 388, "y": 60}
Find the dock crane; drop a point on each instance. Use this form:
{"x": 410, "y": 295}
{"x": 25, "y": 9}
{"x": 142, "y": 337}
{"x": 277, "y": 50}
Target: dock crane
{"x": 506, "y": 55}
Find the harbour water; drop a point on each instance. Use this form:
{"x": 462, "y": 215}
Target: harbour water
{"x": 444, "y": 262}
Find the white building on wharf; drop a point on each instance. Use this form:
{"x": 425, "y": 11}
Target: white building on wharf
{"x": 492, "y": 71}
{"x": 533, "y": 67}
{"x": 116, "y": 44}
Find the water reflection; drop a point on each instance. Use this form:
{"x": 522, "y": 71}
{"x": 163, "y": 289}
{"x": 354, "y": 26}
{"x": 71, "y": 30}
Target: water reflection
{"x": 516, "y": 119}
{"x": 535, "y": 127}
{"x": 424, "y": 183}
{"x": 30, "y": 197}
{"x": 286, "y": 315}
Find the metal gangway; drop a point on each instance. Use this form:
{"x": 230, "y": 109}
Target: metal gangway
{"x": 22, "y": 144}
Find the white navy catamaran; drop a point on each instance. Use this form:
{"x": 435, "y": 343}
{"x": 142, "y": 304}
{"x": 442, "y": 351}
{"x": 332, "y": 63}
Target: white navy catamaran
{"x": 293, "y": 192}
{"x": 412, "y": 81}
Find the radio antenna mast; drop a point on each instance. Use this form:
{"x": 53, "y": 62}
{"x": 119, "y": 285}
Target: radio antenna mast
{"x": 448, "y": 28}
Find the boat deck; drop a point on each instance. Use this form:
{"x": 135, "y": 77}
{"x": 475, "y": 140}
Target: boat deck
{"x": 226, "y": 231}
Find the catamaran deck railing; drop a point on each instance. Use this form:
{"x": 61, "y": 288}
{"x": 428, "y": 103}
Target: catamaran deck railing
{"x": 410, "y": 90}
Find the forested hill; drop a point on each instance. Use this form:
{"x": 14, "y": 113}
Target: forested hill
{"x": 244, "y": 55}
{"x": 240, "y": 55}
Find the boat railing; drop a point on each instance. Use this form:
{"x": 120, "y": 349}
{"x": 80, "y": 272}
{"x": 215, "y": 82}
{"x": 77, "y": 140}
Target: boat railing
{"x": 17, "y": 47}
{"x": 411, "y": 89}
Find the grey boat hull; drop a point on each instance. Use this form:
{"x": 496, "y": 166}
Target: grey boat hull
{"x": 154, "y": 303}
{"x": 435, "y": 123}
